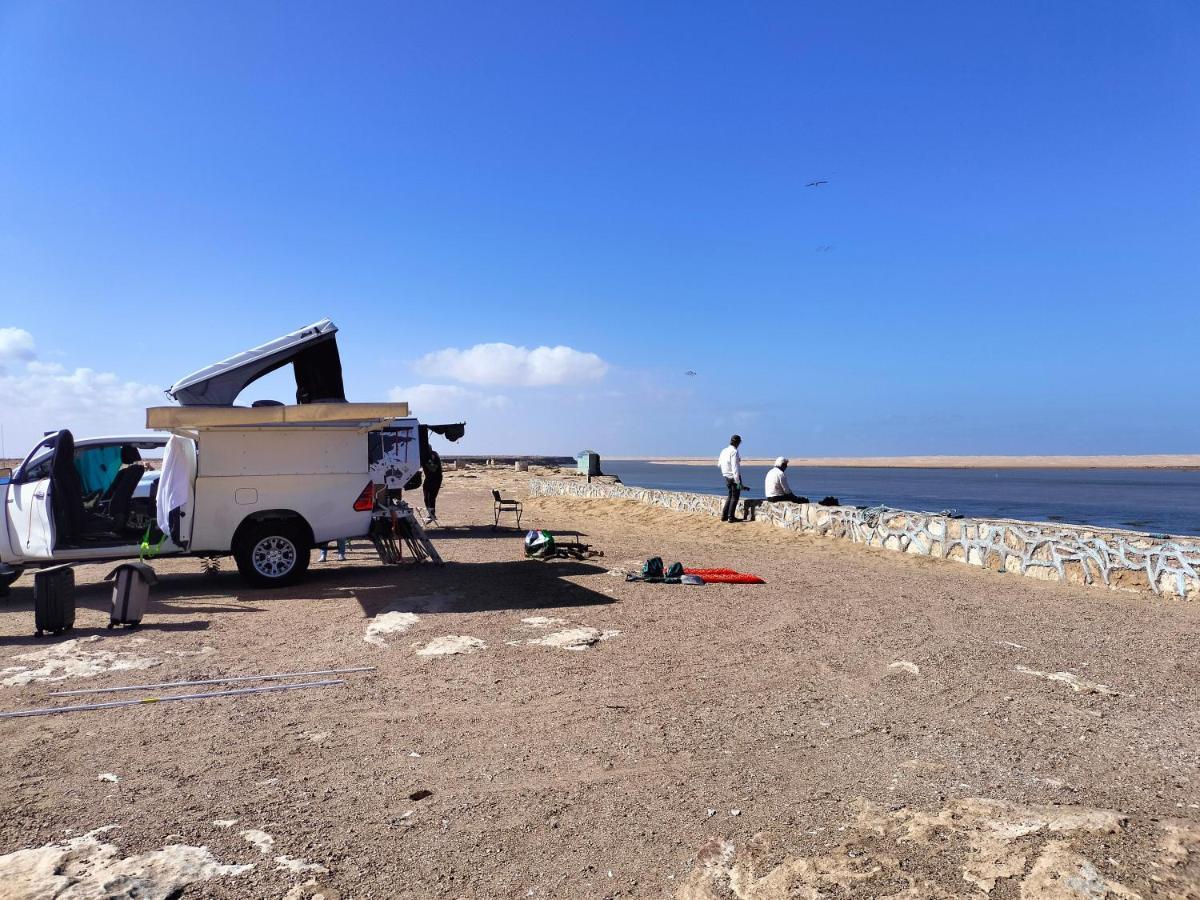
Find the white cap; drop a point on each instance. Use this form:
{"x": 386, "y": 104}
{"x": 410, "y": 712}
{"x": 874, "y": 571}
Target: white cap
{"x": 780, "y": 461}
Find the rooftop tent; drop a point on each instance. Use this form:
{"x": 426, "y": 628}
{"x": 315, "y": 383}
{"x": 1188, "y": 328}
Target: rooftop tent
{"x": 312, "y": 351}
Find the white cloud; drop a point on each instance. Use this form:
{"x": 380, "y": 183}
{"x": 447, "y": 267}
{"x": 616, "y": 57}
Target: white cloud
{"x": 37, "y": 367}
{"x": 16, "y": 345}
{"x": 446, "y": 401}
{"x": 38, "y": 397}
{"x": 506, "y": 364}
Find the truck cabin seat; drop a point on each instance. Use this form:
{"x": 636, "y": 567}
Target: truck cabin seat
{"x": 123, "y": 486}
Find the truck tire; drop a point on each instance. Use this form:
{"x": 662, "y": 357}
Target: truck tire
{"x": 272, "y": 553}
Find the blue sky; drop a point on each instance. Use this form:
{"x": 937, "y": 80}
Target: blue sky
{"x": 1012, "y": 212}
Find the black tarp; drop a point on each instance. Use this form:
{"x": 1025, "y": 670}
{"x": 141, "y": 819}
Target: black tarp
{"x": 453, "y": 432}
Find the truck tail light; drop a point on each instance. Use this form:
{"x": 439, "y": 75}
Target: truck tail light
{"x": 366, "y": 500}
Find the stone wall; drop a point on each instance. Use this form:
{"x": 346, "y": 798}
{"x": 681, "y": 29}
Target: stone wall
{"x": 1077, "y": 554}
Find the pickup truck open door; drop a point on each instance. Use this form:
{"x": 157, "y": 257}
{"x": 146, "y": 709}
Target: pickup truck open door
{"x": 27, "y": 512}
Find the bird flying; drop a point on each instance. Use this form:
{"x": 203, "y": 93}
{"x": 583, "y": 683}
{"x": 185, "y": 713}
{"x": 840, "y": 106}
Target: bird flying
{"x": 816, "y": 183}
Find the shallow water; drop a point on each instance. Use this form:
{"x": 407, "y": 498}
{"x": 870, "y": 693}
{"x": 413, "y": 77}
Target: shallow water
{"x": 1154, "y": 500}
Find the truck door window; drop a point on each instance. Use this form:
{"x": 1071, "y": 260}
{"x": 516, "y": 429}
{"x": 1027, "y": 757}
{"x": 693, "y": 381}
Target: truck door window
{"x": 37, "y": 464}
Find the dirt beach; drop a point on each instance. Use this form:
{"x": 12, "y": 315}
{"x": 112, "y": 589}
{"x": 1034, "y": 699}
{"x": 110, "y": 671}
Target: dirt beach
{"x": 863, "y": 725}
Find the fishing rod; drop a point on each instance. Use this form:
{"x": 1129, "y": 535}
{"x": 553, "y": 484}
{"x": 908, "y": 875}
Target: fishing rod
{"x": 51, "y": 710}
{"x": 230, "y": 680}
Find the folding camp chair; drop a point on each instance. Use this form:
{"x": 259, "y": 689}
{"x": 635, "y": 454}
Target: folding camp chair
{"x": 501, "y": 505}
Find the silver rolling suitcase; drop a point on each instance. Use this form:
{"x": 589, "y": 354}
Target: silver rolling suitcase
{"x": 131, "y": 593}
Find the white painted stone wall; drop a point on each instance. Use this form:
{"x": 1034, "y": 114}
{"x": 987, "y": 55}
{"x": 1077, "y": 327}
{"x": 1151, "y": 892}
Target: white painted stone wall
{"x": 1077, "y": 554}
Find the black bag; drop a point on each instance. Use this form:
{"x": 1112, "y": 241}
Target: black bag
{"x": 652, "y": 570}
{"x": 54, "y": 600}
{"x": 674, "y": 574}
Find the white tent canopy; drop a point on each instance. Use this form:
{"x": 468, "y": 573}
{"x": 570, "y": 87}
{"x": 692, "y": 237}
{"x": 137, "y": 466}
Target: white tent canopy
{"x": 311, "y": 350}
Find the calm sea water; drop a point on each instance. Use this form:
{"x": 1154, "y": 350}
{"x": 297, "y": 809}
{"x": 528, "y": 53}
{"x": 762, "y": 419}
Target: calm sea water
{"x": 1155, "y": 500}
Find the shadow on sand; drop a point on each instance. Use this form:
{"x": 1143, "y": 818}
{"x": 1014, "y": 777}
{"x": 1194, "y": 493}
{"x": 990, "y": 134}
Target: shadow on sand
{"x": 453, "y": 532}
{"x": 486, "y": 532}
{"x": 28, "y": 640}
{"x": 469, "y": 587}
{"x": 455, "y": 587}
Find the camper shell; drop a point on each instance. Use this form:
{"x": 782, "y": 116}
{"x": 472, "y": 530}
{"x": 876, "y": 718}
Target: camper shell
{"x": 265, "y": 483}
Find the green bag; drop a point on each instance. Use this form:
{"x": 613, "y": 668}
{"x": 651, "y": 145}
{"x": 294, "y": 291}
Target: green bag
{"x": 148, "y": 550}
{"x": 539, "y": 545}
{"x": 652, "y": 570}
{"x": 674, "y": 574}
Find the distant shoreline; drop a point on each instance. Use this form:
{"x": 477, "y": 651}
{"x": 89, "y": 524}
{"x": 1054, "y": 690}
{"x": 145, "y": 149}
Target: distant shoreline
{"x": 1152, "y": 461}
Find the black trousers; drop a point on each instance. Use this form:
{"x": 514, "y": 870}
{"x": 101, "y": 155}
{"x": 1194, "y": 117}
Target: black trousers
{"x": 787, "y": 498}
{"x": 729, "y": 511}
{"x": 430, "y": 489}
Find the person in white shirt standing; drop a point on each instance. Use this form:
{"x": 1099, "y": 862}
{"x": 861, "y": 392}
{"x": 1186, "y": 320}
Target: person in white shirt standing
{"x": 777, "y": 489}
{"x": 730, "y": 464}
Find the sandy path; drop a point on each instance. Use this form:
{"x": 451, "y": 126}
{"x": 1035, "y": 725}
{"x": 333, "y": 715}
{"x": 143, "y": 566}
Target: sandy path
{"x": 551, "y": 768}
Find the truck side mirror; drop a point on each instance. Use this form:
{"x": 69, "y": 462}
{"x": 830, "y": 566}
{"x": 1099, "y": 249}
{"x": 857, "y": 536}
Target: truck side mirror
{"x": 5, "y": 475}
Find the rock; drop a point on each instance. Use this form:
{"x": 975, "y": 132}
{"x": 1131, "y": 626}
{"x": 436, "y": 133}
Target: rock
{"x": 913, "y": 854}
{"x": 87, "y": 866}
{"x": 390, "y": 621}
{"x": 1073, "y": 681}
{"x": 452, "y": 645}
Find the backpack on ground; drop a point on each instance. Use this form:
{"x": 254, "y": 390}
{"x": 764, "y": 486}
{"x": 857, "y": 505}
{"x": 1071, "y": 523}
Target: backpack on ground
{"x": 539, "y": 545}
{"x": 652, "y": 570}
{"x": 674, "y": 574}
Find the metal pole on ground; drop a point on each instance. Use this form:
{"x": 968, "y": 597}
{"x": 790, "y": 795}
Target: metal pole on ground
{"x": 52, "y": 710}
{"x": 230, "y": 680}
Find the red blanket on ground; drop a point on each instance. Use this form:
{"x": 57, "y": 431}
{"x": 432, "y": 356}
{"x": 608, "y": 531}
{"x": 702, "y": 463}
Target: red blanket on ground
{"x": 724, "y": 576}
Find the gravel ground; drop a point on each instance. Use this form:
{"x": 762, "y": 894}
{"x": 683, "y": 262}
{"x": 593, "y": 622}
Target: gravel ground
{"x": 713, "y": 741}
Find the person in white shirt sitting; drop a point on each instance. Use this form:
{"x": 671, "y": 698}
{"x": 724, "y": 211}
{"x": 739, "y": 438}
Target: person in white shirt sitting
{"x": 777, "y": 488}
{"x": 730, "y": 464}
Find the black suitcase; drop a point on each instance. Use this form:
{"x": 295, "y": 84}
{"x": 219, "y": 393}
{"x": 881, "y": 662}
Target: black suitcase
{"x": 54, "y": 600}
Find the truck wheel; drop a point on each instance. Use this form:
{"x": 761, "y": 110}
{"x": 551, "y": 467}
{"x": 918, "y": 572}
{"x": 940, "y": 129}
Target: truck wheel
{"x": 272, "y": 553}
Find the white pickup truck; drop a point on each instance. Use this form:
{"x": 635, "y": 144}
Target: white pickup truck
{"x": 264, "y": 483}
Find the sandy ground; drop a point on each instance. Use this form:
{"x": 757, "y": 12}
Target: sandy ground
{"x": 863, "y": 725}
{"x": 1153, "y": 461}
